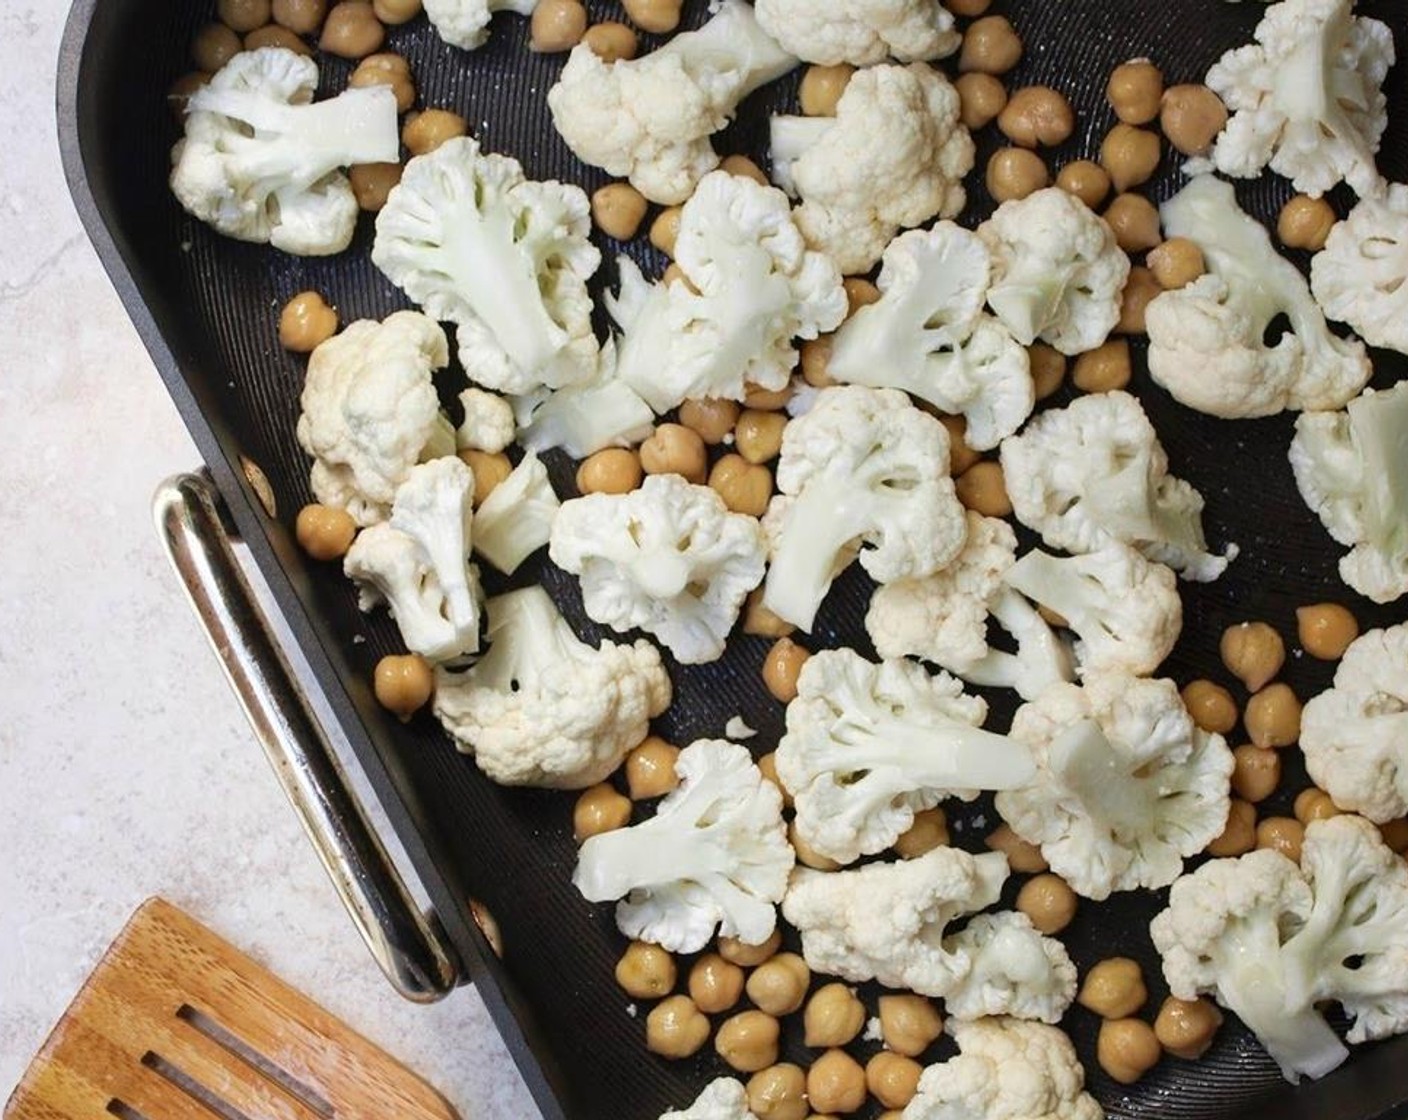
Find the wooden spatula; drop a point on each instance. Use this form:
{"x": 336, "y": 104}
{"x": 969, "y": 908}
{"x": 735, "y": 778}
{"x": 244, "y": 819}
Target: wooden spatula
{"x": 176, "y": 1024}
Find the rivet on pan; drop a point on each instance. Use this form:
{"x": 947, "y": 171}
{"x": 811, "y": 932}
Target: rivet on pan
{"x": 259, "y": 483}
{"x": 488, "y": 926}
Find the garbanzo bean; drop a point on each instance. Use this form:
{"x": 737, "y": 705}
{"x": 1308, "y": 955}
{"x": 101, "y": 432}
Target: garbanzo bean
{"x": 983, "y": 489}
{"x": 758, "y": 435}
{"x": 655, "y": 16}
{"x": 646, "y": 971}
{"x": 745, "y": 487}
{"x": 213, "y": 46}
{"x": 822, "y": 87}
{"x": 306, "y": 322}
{"x": 372, "y": 183}
{"x": 386, "y": 69}
{"x": 352, "y": 30}
{"x": 1127, "y": 1049}
{"x": 1326, "y": 630}
{"x": 556, "y": 26}
{"x": 1191, "y": 116}
{"x": 859, "y": 293}
{"x": 1185, "y": 1028}
{"x": 960, "y": 455}
{"x": 675, "y": 1028}
{"x": 781, "y": 668}
{"x": 1281, "y": 834}
{"x": 748, "y": 1041}
{"x": 968, "y": 9}
{"x": 766, "y": 400}
{"x": 393, "y": 13}
{"x": 1239, "y": 834}
{"x": 761, "y": 622}
{"x": 1210, "y": 705}
{"x": 1395, "y": 834}
{"x": 426, "y": 131}
{"x": 1256, "y": 772}
{"x": 1048, "y": 901}
{"x": 981, "y": 99}
{"x": 815, "y": 357}
{"x": 767, "y": 767}
{"x": 1135, "y": 90}
{"x": 1022, "y": 855}
{"x": 1048, "y": 369}
{"x": 243, "y": 15}
{"x": 1272, "y": 716}
{"x": 665, "y": 229}
{"x": 1140, "y": 290}
{"x": 833, "y": 1016}
{"x": 836, "y": 1083}
{"x": 403, "y": 684}
{"x": 618, "y": 210}
{"x": 611, "y": 41}
{"x": 650, "y": 768}
{"x": 1085, "y": 179}
{"x": 744, "y": 168}
{"x": 1253, "y": 653}
{"x": 909, "y": 1024}
{"x": 1176, "y": 263}
{"x": 1037, "y": 116}
{"x": 749, "y": 956}
{"x": 780, "y": 985}
{"x": 600, "y": 809}
{"x": 490, "y": 470}
{"x": 302, "y": 17}
{"x": 1103, "y": 369}
{"x": 1314, "y": 805}
{"x": 779, "y": 1093}
{"x": 1015, "y": 173}
{"x": 806, "y": 854}
{"x": 1135, "y": 222}
{"x": 715, "y": 984}
{"x": 272, "y": 35}
{"x": 929, "y": 831}
{"x": 1113, "y": 988}
{"x": 613, "y": 470}
{"x": 324, "y": 532}
{"x": 713, "y": 419}
{"x": 990, "y": 46}
{"x": 675, "y": 449}
{"x": 1305, "y": 223}
{"x": 892, "y": 1079}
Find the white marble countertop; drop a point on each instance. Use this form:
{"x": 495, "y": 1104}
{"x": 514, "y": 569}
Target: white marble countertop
{"x": 115, "y": 724}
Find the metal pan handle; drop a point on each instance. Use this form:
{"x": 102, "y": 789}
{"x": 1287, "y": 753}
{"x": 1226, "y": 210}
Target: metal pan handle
{"x": 409, "y": 946}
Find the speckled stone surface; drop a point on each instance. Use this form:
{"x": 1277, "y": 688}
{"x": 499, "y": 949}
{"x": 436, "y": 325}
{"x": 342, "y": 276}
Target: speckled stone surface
{"x": 125, "y": 768}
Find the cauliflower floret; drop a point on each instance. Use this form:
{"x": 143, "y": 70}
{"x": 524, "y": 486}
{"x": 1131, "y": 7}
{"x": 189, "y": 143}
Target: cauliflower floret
{"x": 261, "y": 162}
{"x": 433, "y": 507}
{"x": 1124, "y": 610}
{"x": 1352, "y": 470}
{"x": 1057, "y": 273}
{"x": 505, "y": 259}
{"x": 1355, "y": 735}
{"x": 753, "y": 287}
{"x": 465, "y": 23}
{"x": 892, "y": 157}
{"x": 1361, "y": 276}
{"x": 714, "y": 855}
{"x": 1093, "y": 473}
{"x": 1306, "y": 98}
{"x": 860, "y": 32}
{"x": 1270, "y": 941}
{"x": 885, "y": 921}
{"x": 1207, "y": 340}
{"x": 724, "y": 1098}
{"x": 862, "y": 465}
{"x": 650, "y": 119}
{"x": 1016, "y": 971}
{"x": 488, "y": 422}
{"x": 669, "y": 559}
{"x": 584, "y": 417}
{"x": 1006, "y": 1069}
{"x": 370, "y": 411}
{"x": 927, "y": 335}
{"x": 867, "y": 746}
{"x": 1127, "y": 785}
{"x": 515, "y": 520}
{"x": 542, "y": 708}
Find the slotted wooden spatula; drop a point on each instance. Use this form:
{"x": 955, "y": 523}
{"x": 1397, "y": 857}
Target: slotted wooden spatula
{"x": 176, "y": 1024}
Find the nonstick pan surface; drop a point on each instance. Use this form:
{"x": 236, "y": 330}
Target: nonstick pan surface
{"x": 207, "y": 308}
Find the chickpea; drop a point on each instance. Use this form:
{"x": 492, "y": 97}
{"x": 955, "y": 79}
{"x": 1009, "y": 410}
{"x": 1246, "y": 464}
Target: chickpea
{"x": 1015, "y": 173}
{"x": 758, "y": 435}
{"x": 1103, "y": 369}
{"x": 1282, "y": 834}
{"x": 832, "y": 1017}
{"x": 1314, "y": 805}
{"x": 780, "y": 985}
{"x": 1048, "y": 901}
{"x": 352, "y": 30}
{"x": 1395, "y": 834}
{"x": 1048, "y": 369}
{"x": 613, "y": 470}
{"x": 1239, "y": 836}
{"x": 675, "y": 449}
{"x": 715, "y": 984}
{"x": 1127, "y": 1049}
{"x": 968, "y": 9}
{"x": 1326, "y": 630}
{"x": 761, "y": 622}
{"x": 1135, "y": 90}
{"x": 712, "y": 419}
{"x": 782, "y": 667}
{"x": 306, "y": 322}
{"x": 836, "y": 1083}
{"x": 393, "y": 13}
{"x": 767, "y": 766}
{"x": 214, "y": 45}
{"x": 611, "y": 41}
{"x": 490, "y": 470}
{"x": 960, "y": 455}
{"x": 373, "y": 183}
{"x": 766, "y": 400}
{"x": 675, "y": 1028}
{"x": 665, "y": 230}
{"x": 1253, "y": 653}
{"x": 1022, "y": 855}
{"x": 403, "y": 684}
{"x": 1211, "y": 706}
{"x": 426, "y": 131}
{"x": 272, "y": 35}
{"x": 859, "y": 293}
{"x": 1185, "y": 1028}
{"x": 749, "y": 956}
{"x": 178, "y": 96}
{"x": 243, "y": 15}
{"x": 1037, "y": 116}
{"x": 806, "y": 854}
{"x": 816, "y": 356}
{"x": 618, "y": 210}
{"x": 386, "y": 69}
{"x": 744, "y": 168}
{"x": 1272, "y": 716}
{"x": 929, "y": 831}
{"x": 1113, "y": 988}
{"x": 748, "y": 1041}
{"x": 600, "y": 809}
{"x": 1256, "y": 772}
{"x": 909, "y": 1024}
{"x": 892, "y": 1079}
{"x": 779, "y": 1093}
{"x": 1140, "y": 290}
{"x": 650, "y": 769}
{"x": 655, "y": 16}
{"x": 646, "y": 971}
{"x": 981, "y": 98}
{"x": 556, "y": 26}
{"x": 745, "y": 487}
{"x": 991, "y": 46}
{"x": 983, "y": 489}
{"x": 822, "y": 87}
{"x": 1135, "y": 222}
{"x": 325, "y": 533}
{"x": 1191, "y": 116}
{"x": 1176, "y": 263}
{"x": 1305, "y": 223}
{"x": 1085, "y": 179}
{"x": 302, "y": 17}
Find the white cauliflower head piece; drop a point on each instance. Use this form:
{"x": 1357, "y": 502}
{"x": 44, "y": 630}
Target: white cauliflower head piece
{"x": 515, "y": 520}
{"x": 1355, "y": 735}
{"x": 724, "y": 1098}
{"x": 488, "y": 423}
{"x": 1016, "y": 971}
{"x": 1127, "y": 785}
{"x": 586, "y": 416}
{"x": 714, "y": 856}
{"x": 1361, "y": 276}
{"x": 860, "y": 32}
{"x": 465, "y": 23}
{"x": 669, "y": 559}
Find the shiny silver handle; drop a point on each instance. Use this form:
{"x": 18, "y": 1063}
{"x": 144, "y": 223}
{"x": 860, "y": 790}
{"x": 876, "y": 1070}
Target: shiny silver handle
{"x": 408, "y": 945}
